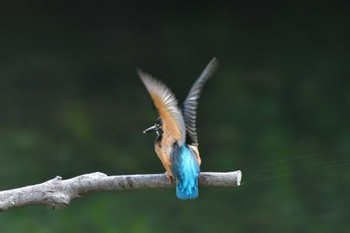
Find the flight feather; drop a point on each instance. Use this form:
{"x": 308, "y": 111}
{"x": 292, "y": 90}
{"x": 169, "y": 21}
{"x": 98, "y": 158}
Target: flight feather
{"x": 189, "y": 107}
{"x": 167, "y": 106}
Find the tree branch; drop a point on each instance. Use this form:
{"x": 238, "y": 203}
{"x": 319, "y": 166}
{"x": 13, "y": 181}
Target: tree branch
{"x": 57, "y": 193}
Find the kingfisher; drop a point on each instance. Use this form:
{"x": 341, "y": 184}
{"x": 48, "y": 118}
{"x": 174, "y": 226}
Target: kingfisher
{"x": 177, "y": 143}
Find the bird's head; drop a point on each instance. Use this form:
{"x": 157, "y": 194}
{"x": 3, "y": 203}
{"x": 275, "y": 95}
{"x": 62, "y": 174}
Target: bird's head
{"x": 157, "y": 127}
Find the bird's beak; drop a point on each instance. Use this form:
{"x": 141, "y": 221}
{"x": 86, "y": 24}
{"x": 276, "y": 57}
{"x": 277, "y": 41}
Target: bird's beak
{"x": 150, "y": 129}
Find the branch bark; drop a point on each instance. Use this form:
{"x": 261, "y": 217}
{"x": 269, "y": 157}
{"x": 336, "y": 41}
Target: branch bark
{"x": 58, "y": 193}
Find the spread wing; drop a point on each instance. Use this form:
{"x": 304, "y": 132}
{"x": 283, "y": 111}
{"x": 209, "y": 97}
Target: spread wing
{"x": 167, "y": 106}
{"x": 189, "y": 107}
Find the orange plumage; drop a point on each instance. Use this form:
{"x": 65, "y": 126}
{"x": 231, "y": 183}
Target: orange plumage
{"x": 177, "y": 143}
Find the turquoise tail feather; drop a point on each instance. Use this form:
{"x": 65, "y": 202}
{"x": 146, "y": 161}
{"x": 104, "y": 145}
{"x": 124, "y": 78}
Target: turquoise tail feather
{"x": 186, "y": 170}
{"x": 187, "y": 191}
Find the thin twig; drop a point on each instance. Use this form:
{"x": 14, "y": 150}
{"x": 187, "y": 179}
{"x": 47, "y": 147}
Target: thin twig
{"x": 57, "y": 193}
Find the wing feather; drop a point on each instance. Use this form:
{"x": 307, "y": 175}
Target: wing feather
{"x": 189, "y": 107}
{"x": 167, "y": 106}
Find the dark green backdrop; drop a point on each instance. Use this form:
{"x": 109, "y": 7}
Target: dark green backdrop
{"x": 71, "y": 103}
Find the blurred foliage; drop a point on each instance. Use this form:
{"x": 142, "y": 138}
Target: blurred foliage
{"x": 277, "y": 108}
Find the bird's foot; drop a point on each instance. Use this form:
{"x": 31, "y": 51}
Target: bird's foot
{"x": 170, "y": 177}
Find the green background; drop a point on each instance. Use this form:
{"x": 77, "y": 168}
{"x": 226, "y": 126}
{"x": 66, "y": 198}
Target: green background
{"x": 277, "y": 108}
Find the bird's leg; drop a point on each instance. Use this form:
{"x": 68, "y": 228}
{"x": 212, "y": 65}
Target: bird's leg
{"x": 170, "y": 177}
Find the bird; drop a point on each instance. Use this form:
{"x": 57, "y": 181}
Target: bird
{"x": 177, "y": 142}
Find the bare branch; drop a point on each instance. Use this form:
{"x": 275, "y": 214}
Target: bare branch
{"x": 57, "y": 193}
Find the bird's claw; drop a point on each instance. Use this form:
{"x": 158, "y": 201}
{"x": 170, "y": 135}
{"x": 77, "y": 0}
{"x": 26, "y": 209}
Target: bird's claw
{"x": 171, "y": 178}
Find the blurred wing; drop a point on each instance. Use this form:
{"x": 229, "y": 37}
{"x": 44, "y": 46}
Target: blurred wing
{"x": 167, "y": 106}
{"x": 189, "y": 107}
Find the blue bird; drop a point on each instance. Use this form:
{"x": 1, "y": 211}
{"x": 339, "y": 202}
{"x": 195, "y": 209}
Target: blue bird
{"x": 177, "y": 143}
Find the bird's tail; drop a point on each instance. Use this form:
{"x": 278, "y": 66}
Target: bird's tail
{"x": 187, "y": 176}
{"x": 187, "y": 189}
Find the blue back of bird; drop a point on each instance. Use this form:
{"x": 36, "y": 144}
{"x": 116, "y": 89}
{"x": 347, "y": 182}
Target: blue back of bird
{"x": 186, "y": 170}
